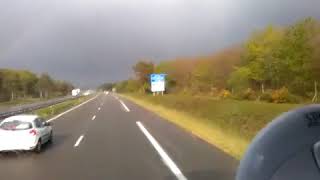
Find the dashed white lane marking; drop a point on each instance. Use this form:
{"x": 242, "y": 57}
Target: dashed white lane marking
{"x": 117, "y": 98}
{"x": 93, "y": 118}
{"x": 99, "y": 109}
{"x": 165, "y": 157}
{"x": 79, "y": 141}
{"x": 124, "y": 105}
{"x": 59, "y": 115}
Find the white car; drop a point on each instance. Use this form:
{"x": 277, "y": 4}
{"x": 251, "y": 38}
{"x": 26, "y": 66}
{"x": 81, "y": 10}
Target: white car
{"x": 24, "y": 132}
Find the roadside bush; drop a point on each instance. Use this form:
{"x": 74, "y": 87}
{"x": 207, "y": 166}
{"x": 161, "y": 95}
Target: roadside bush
{"x": 132, "y": 86}
{"x": 266, "y": 96}
{"x": 214, "y": 92}
{"x": 294, "y": 99}
{"x": 186, "y": 91}
{"x": 281, "y": 95}
{"x": 224, "y": 93}
{"x": 248, "y": 94}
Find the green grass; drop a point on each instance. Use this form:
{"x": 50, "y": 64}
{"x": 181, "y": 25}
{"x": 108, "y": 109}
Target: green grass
{"x": 228, "y": 124}
{"x": 20, "y": 101}
{"x": 51, "y": 111}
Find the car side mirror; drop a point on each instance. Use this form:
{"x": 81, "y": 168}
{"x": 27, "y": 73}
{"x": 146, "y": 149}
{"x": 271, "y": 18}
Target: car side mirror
{"x": 287, "y": 149}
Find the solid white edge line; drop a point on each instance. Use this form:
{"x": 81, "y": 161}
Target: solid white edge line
{"x": 78, "y": 141}
{"x": 165, "y": 157}
{"x": 59, "y": 115}
{"x": 94, "y": 117}
{"x": 124, "y": 105}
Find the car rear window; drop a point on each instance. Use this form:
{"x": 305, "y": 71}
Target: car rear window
{"x": 15, "y": 125}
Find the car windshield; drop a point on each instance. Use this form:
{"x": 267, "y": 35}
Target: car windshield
{"x": 159, "y": 89}
{"x": 15, "y": 125}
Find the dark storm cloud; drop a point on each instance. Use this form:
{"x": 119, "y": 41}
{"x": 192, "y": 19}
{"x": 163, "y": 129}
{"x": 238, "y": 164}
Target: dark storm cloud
{"x": 91, "y": 41}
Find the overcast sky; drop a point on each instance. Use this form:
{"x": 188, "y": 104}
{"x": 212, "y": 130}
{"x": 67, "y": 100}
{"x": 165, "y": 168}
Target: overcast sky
{"x": 88, "y": 42}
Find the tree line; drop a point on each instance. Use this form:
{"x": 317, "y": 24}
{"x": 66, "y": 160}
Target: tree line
{"x": 276, "y": 64}
{"x": 15, "y": 84}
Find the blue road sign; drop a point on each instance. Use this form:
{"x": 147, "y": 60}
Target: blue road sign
{"x": 157, "y": 82}
{"x": 157, "y": 77}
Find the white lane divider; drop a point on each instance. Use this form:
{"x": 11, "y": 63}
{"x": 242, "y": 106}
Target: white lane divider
{"x": 124, "y": 105}
{"x": 99, "y": 109}
{"x": 78, "y": 141}
{"x": 165, "y": 157}
{"x": 117, "y": 98}
{"x": 59, "y": 115}
{"x": 93, "y": 118}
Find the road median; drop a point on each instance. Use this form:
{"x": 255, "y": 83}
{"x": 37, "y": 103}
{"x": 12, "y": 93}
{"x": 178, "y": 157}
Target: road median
{"x": 54, "y": 110}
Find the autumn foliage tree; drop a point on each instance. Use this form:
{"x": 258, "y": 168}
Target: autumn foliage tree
{"x": 270, "y": 61}
{"x": 142, "y": 71}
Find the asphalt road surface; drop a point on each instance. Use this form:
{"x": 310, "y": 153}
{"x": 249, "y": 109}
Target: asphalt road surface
{"x": 109, "y": 138}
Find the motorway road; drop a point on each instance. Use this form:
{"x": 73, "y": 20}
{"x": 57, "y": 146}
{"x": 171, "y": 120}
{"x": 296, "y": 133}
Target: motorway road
{"x": 109, "y": 138}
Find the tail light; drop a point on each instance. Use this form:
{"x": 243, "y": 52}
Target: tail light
{"x": 33, "y": 132}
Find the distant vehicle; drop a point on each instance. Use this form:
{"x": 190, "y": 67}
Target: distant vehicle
{"x": 75, "y": 92}
{"x": 88, "y": 92}
{"x": 24, "y": 132}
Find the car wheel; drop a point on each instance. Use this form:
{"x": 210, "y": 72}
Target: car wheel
{"x": 38, "y": 148}
{"x": 50, "y": 138}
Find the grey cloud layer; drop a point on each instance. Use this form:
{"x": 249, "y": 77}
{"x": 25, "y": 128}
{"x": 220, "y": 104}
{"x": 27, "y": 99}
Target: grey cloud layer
{"x": 92, "y": 41}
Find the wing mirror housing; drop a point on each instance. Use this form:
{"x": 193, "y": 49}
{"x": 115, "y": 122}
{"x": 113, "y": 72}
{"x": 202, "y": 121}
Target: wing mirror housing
{"x": 288, "y": 148}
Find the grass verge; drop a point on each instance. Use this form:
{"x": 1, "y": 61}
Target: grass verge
{"x": 51, "y": 111}
{"x": 20, "y": 102}
{"x": 228, "y": 124}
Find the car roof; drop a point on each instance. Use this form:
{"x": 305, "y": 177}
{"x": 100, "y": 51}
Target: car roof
{"x": 22, "y": 117}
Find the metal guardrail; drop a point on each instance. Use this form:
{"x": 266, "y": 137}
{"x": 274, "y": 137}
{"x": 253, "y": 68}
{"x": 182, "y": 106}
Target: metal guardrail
{"x": 34, "y": 106}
